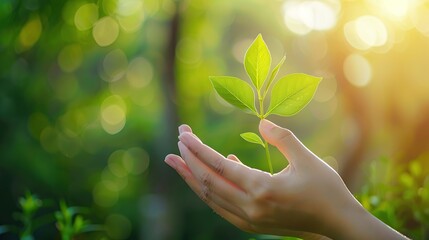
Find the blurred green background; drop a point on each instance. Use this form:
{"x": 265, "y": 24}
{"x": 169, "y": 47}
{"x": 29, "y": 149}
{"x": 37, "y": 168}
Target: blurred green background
{"x": 92, "y": 92}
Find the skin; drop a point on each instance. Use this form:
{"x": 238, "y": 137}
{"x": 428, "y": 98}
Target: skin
{"x": 307, "y": 199}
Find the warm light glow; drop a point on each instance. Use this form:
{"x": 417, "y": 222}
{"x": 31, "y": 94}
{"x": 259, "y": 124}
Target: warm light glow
{"x": 366, "y": 32}
{"x": 397, "y": 9}
{"x": 357, "y": 70}
{"x": 421, "y": 19}
{"x": 105, "y": 31}
{"x": 86, "y": 16}
{"x": 301, "y": 17}
{"x": 326, "y": 90}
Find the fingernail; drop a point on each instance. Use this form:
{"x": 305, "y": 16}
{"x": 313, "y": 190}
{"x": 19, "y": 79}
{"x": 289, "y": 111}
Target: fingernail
{"x": 185, "y": 138}
{"x": 170, "y": 162}
{"x": 184, "y": 128}
{"x": 181, "y": 129}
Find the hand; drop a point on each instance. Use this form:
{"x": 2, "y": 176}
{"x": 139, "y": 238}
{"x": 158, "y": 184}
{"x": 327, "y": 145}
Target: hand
{"x": 307, "y": 199}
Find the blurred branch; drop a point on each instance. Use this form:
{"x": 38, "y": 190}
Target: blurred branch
{"x": 358, "y": 110}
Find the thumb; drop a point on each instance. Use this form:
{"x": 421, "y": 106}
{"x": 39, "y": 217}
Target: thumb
{"x": 290, "y": 146}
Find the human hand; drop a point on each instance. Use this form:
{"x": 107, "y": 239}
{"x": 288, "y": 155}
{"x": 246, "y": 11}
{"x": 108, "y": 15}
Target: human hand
{"x": 307, "y": 199}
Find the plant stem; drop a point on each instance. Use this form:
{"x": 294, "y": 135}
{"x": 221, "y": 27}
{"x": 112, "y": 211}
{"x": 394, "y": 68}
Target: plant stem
{"x": 267, "y": 153}
{"x": 262, "y": 116}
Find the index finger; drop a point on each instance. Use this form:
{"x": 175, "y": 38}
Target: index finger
{"x": 233, "y": 171}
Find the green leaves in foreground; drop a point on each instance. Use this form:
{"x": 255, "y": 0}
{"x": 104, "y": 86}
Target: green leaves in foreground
{"x": 288, "y": 96}
{"x": 257, "y": 62}
{"x": 292, "y": 93}
{"x": 252, "y": 138}
{"x": 235, "y": 91}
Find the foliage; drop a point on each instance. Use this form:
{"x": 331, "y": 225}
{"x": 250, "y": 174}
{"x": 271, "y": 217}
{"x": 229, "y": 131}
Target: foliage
{"x": 288, "y": 96}
{"x": 91, "y": 122}
{"x": 68, "y": 220}
{"x": 401, "y": 202}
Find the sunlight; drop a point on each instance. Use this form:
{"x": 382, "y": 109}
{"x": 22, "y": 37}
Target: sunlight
{"x": 357, "y": 70}
{"x": 366, "y": 32}
{"x": 302, "y": 17}
{"x": 396, "y": 9}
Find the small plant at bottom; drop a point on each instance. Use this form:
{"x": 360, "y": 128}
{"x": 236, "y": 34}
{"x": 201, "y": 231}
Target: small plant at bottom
{"x": 288, "y": 95}
{"x": 69, "y": 220}
{"x": 28, "y": 222}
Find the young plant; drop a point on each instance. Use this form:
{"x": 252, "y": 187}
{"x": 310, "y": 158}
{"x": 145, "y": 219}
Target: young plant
{"x": 70, "y": 223}
{"x": 69, "y": 220}
{"x": 288, "y": 95}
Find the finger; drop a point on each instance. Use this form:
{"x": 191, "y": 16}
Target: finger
{"x": 231, "y": 170}
{"x": 213, "y": 184}
{"x": 289, "y": 145}
{"x": 201, "y": 190}
{"x": 184, "y": 128}
{"x": 233, "y": 158}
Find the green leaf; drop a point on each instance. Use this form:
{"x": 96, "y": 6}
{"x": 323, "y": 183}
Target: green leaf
{"x": 292, "y": 93}
{"x": 252, "y": 138}
{"x": 257, "y": 62}
{"x": 235, "y": 91}
{"x": 274, "y": 73}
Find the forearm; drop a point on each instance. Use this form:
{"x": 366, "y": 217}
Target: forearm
{"x": 357, "y": 223}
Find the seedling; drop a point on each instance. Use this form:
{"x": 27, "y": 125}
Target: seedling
{"x": 70, "y": 222}
{"x": 287, "y": 97}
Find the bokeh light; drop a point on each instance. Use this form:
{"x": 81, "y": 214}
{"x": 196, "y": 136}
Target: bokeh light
{"x": 326, "y": 90}
{"x": 395, "y": 9}
{"x": 105, "y": 31}
{"x": 302, "y": 17}
{"x": 86, "y": 16}
{"x": 70, "y": 57}
{"x": 118, "y": 227}
{"x": 357, "y": 70}
{"x": 113, "y": 114}
{"x": 130, "y": 14}
{"x": 115, "y": 65}
{"x": 30, "y": 33}
{"x": 366, "y": 32}
{"x": 104, "y": 196}
{"x": 139, "y": 72}
{"x": 421, "y": 19}
{"x": 92, "y": 93}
